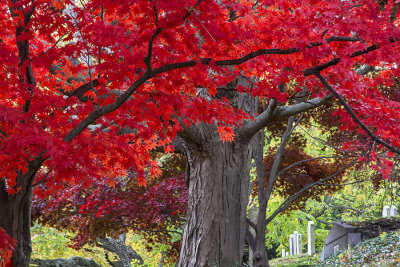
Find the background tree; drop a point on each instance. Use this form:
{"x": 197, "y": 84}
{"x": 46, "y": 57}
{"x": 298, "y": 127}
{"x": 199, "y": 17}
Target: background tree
{"x": 289, "y": 172}
{"x": 109, "y": 210}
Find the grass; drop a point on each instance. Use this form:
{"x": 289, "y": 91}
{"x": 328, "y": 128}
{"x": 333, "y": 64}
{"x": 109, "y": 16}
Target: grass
{"x": 302, "y": 259}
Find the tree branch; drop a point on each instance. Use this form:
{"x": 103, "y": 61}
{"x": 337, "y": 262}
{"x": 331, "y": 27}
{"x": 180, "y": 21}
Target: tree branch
{"x": 354, "y": 116}
{"x": 262, "y": 120}
{"x": 173, "y": 66}
{"x": 92, "y": 117}
{"x": 278, "y": 157}
{"x": 275, "y": 112}
{"x": 250, "y": 239}
{"x": 286, "y": 111}
{"x": 306, "y": 160}
{"x": 292, "y": 198}
{"x": 249, "y": 222}
{"x": 316, "y": 69}
{"x": 81, "y": 90}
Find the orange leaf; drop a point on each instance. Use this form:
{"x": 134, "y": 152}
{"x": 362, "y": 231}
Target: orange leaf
{"x": 226, "y": 133}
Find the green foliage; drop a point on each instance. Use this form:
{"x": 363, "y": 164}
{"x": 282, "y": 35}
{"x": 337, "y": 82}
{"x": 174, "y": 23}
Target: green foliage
{"x": 49, "y": 243}
{"x": 372, "y": 252}
{"x": 297, "y": 260}
{"x": 279, "y": 230}
{"x": 357, "y": 201}
{"x": 282, "y": 226}
{"x": 150, "y": 257}
{"x": 320, "y": 235}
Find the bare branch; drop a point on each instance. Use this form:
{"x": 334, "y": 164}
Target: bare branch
{"x": 278, "y": 157}
{"x": 305, "y": 160}
{"x": 262, "y": 120}
{"x": 285, "y": 111}
{"x": 249, "y": 222}
{"x": 292, "y": 198}
{"x": 274, "y": 112}
{"x": 250, "y": 239}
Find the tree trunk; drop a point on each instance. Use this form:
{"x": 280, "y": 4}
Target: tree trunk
{"x": 260, "y": 257}
{"x": 15, "y": 212}
{"x": 218, "y": 194}
{"x": 15, "y": 218}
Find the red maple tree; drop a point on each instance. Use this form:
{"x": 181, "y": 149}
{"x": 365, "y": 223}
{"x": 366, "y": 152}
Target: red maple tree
{"x": 87, "y": 90}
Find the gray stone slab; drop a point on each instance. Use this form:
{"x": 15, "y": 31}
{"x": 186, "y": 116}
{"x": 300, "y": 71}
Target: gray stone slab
{"x": 393, "y": 211}
{"x": 291, "y": 245}
{"x": 311, "y": 238}
{"x": 386, "y": 211}
{"x": 339, "y": 238}
{"x": 353, "y": 238}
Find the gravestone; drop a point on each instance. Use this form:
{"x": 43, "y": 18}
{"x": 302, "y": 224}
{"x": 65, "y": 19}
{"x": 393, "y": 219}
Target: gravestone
{"x": 386, "y": 211}
{"x": 287, "y": 253}
{"x": 299, "y": 244}
{"x": 393, "y": 211}
{"x": 283, "y": 253}
{"x": 340, "y": 237}
{"x": 311, "y": 238}
{"x": 291, "y": 244}
{"x": 295, "y": 241}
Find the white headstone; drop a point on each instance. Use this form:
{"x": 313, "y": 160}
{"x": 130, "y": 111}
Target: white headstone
{"x": 386, "y": 211}
{"x": 295, "y": 241}
{"x": 287, "y": 253}
{"x": 291, "y": 245}
{"x": 336, "y": 248}
{"x": 299, "y": 246}
{"x": 311, "y": 238}
{"x": 393, "y": 211}
{"x": 283, "y": 253}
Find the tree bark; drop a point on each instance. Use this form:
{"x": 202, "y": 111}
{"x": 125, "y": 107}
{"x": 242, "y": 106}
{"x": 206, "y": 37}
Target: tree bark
{"x": 260, "y": 257}
{"x": 15, "y": 218}
{"x": 218, "y": 194}
{"x": 71, "y": 262}
{"x": 124, "y": 252}
{"x": 15, "y": 212}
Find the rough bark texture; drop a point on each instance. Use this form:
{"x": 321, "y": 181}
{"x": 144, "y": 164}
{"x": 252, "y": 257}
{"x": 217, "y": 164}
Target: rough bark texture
{"x": 257, "y": 243}
{"x": 15, "y": 213}
{"x": 71, "y": 262}
{"x": 15, "y": 218}
{"x": 124, "y": 252}
{"x": 260, "y": 257}
{"x": 215, "y": 229}
{"x": 218, "y": 195}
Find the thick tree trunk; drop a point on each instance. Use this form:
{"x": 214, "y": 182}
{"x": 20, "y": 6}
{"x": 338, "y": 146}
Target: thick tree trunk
{"x": 15, "y": 212}
{"x": 218, "y": 194}
{"x": 15, "y": 218}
